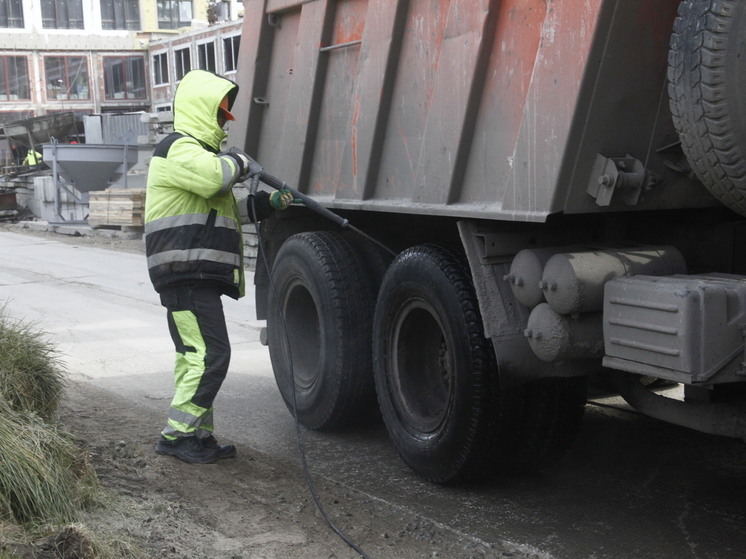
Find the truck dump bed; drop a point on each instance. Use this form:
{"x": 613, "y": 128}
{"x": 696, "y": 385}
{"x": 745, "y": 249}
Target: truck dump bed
{"x": 472, "y": 108}
{"x": 507, "y": 167}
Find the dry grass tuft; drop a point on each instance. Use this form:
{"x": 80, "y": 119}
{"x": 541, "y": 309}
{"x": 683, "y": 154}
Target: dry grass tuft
{"x": 43, "y": 476}
{"x": 74, "y": 542}
{"x": 67, "y": 541}
{"x": 32, "y": 376}
{"x": 46, "y": 481}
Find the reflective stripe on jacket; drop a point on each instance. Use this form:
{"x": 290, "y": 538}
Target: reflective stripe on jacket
{"x": 192, "y": 222}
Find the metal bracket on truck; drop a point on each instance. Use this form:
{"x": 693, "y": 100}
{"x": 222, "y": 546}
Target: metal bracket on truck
{"x": 623, "y": 177}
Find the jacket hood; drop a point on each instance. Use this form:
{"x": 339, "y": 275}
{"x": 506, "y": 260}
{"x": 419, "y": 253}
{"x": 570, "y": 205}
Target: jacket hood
{"x": 196, "y": 102}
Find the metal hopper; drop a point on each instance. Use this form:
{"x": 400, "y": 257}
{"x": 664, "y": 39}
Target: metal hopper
{"x": 81, "y": 168}
{"x": 89, "y": 166}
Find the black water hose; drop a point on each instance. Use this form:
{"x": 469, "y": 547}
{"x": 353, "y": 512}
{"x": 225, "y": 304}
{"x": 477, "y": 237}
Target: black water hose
{"x": 316, "y": 207}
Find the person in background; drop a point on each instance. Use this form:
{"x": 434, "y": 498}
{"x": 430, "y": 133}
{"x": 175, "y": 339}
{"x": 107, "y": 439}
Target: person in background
{"x": 194, "y": 250}
{"x": 33, "y": 157}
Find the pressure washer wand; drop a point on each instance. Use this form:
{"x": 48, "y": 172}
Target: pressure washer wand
{"x": 258, "y": 174}
{"x": 313, "y": 205}
{"x": 309, "y": 202}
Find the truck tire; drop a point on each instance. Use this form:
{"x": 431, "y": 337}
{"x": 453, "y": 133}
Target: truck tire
{"x": 707, "y": 80}
{"x": 323, "y": 314}
{"x": 435, "y": 372}
{"x": 376, "y": 259}
{"x": 552, "y": 416}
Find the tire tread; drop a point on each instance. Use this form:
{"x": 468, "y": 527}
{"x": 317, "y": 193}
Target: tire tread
{"x": 699, "y": 99}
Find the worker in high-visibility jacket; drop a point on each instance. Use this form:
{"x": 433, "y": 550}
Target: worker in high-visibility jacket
{"x": 33, "y": 157}
{"x": 195, "y": 253}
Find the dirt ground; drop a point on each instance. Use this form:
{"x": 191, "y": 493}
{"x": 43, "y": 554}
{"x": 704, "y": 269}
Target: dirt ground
{"x": 250, "y": 507}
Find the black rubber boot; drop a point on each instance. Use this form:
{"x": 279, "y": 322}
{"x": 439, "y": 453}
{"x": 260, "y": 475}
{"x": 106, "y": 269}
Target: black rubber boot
{"x": 224, "y": 451}
{"x": 187, "y": 449}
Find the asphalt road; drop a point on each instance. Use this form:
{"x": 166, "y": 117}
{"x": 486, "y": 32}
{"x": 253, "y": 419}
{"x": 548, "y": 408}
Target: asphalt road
{"x": 629, "y": 487}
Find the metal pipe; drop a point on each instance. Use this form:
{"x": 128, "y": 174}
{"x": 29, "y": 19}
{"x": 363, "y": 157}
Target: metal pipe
{"x": 706, "y": 417}
{"x": 340, "y": 46}
{"x": 124, "y": 162}
{"x": 55, "y": 175}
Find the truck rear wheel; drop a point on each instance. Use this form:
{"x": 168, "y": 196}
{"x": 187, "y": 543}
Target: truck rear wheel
{"x": 435, "y": 372}
{"x": 318, "y": 330}
{"x": 438, "y": 382}
{"x": 552, "y": 416}
{"x": 376, "y": 259}
{"x": 707, "y": 78}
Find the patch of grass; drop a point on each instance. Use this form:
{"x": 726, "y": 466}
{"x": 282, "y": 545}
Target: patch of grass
{"x": 46, "y": 481}
{"x": 11, "y": 536}
{"x": 32, "y": 376}
{"x": 43, "y": 475}
{"x": 68, "y": 541}
{"x": 118, "y": 548}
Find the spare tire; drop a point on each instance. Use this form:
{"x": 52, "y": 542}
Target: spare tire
{"x": 707, "y": 81}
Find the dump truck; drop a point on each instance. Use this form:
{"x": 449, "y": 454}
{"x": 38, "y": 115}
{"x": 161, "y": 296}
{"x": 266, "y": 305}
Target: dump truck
{"x": 531, "y": 193}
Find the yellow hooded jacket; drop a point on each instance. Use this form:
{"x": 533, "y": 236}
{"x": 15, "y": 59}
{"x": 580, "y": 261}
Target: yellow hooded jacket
{"x": 32, "y": 158}
{"x": 192, "y": 221}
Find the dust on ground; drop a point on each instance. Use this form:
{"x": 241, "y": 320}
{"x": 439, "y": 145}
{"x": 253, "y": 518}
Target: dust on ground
{"x": 250, "y": 507}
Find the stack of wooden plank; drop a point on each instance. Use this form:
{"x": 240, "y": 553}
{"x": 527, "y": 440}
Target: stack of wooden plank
{"x": 121, "y": 207}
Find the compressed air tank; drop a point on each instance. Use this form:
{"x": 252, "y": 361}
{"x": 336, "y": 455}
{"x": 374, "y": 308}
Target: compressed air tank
{"x": 526, "y": 271}
{"x": 573, "y": 282}
{"x": 553, "y": 336}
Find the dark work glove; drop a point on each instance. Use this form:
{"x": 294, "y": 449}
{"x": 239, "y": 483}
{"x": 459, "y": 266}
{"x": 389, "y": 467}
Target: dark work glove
{"x": 281, "y": 199}
{"x": 247, "y": 167}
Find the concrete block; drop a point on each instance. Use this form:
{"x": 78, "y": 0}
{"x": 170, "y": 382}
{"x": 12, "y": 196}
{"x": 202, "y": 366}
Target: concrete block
{"x": 67, "y": 212}
{"x": 73, "y": 230}
{"x": 34, "y": 225}
{"x": 44, "y": 189}
{"x": 125, "y": 234}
